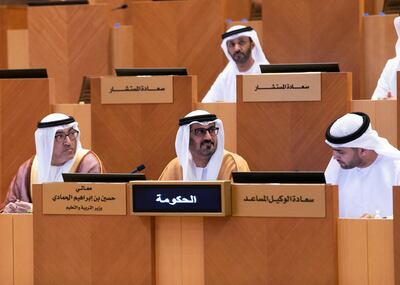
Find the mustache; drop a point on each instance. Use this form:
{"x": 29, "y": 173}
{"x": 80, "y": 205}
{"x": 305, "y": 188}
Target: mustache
{"x": 238, "y": 52}
{"x": 206, "y": 142}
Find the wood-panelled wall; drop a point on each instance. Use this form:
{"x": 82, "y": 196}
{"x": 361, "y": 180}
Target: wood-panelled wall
{"x": 379, "y": 45}
{"x": 70, "y": 41}
{"x": 290, "y": 135}
{"x": 91, "y": 249}
{"x": 74, "y": 40}
{"x": 126, "y": 135}
{"x": 23, "y": 103}
{"x": 179, "y": 34}
{"x": 273, "y": 251}
{"x": 11, "y": 18}
{"x": 383, "y": 115}
{"x": 373, "y": 7}
{"x": 364, "y": 257}
{"x": 316, "y": 31}
{"x": 16, "y": 247}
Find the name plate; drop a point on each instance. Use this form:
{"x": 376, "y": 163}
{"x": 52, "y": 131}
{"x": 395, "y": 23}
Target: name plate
{"x": 282, "y": 87}
{"x": 84, "y": 198}
{"x": 136, "y": 89}
{"x": 283, "y": 200}
{"x": 194, "y": 198}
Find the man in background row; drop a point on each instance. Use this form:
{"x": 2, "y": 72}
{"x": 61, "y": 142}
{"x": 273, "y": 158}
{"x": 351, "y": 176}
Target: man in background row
{"x": 58, "y": 150}
{"x": 243, "y": 50}
{"x": 200, "y": 151}
{"x": 364, "y": 166}
{"x": 386, "y": 87}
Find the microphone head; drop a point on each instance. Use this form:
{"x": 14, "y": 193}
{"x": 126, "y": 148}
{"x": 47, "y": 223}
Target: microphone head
{"x": 138, "y": 168}
{"x": 123, "y": 6}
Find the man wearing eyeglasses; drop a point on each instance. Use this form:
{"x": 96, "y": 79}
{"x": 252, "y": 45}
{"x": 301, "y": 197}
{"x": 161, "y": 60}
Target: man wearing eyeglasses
{"x": 200, "y": 151}
{"x": 58, "y": 150}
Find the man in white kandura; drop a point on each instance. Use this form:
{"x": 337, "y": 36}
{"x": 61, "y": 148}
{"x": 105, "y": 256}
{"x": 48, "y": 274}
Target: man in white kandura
{"x": 243, "y": 50}
{"x": 387, "y": 83}
{"x": 200, "y": 151}
{"x": 364, "y": 166}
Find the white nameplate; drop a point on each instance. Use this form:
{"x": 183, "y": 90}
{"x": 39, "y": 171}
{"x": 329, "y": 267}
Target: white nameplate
{"x": 84, "y": 198}
{"x": 136, "y": 89}
{"x": 281, "y": 87}
{"x": 283, "y": 200}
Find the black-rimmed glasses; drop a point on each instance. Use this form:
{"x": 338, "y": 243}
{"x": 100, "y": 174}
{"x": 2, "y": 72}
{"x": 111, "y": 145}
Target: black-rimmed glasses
{"x": 60, "y": 137}
{"x": 201, "y": 132}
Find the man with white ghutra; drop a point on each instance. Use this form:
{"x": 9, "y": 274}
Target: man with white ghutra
{"x": 200, "y": 151}
{"x": 364, "y": 165}
{"x": 58, "y": 150}
{"x": 243, "y": 50}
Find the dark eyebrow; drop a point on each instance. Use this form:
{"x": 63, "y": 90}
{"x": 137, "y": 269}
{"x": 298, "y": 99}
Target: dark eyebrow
{"x": 67, "y": 131}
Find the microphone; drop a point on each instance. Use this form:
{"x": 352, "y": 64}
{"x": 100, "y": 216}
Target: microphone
{"x": 123, "y": 6}
{"x": 138, "y": 168}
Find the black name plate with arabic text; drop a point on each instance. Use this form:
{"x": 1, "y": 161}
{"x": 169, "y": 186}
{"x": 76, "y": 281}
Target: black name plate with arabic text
{"x": 201, "y": 198}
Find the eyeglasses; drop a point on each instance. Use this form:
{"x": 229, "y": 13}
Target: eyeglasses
{"x": 72, "y": 135}
{"x": 201, "y": 132}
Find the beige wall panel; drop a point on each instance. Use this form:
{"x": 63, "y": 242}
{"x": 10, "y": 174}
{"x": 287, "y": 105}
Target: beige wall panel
{"x": 193, "y": 251}
{"x": 168, "y": 250}
{"x": 227, "y": 113}
{"x": 18, "y": 49}
{"x": 82, "y": 114}
{"x": 179, "y": 247}
{"x": 121, "y": 47}
{"x": 11, "y": 17}
{"x": 155, "y": 33}
{"x": 379, "y": 42}
{"x": 23, "y": 249}
{"x": 91, "y": 250}
{"x": 353, "y": 251}
{"x": 23, "y": 103}
{"x": 312, "y": 27}
{"x": 290, "y": 136}
{"x": 366, "y": 106}
{"x": 237, "y": 9}
{"x": 70, "y": 41}
{"x": 3, "y": 37}
{"x": 380, "y": 252}
{"x": 173, "y": 34}
{"x": 272, "y": 251}
{"x": 200, "y": 29}
{"x": 383, "y": 115}
{"x": 125, "y": 136}
{"x": 6, "y": 249}
{"x": 386, "y": 123}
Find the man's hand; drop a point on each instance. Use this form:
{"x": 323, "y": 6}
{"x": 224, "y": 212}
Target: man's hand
{"x": 367, "y": 216}
{"x": 389, "y": 96}
{"x": 18, "y": 207}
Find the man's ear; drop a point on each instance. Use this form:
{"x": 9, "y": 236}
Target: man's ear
{"x": 363, "y": 151}
{"x": 252, "y": 45}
